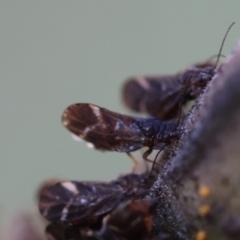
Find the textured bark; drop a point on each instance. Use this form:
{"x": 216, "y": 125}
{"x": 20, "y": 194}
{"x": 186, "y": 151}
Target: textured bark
{"x": 208, "y": 154}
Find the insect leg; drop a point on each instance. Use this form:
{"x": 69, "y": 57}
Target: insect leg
{"x": 146, "y": 154}
{"x": 135, "y": 162}
{"x": 154, "y": 162}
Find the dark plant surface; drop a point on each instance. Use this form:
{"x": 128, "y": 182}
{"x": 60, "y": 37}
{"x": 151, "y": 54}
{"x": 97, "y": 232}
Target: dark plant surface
{"x": 198, "y": 189}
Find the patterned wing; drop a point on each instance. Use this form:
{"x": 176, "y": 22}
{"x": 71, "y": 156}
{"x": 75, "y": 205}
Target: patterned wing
{"x": 73, "y": 201}
{"x": 156, "y": 95}
{"x": 105, "y": 129}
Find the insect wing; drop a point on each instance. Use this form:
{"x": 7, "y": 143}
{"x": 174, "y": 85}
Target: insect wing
{"x": 105, "y": 129}
{"x": 75, "y": 201}
{"x": 160, "y": 96}
{"x": 156, "y": 95}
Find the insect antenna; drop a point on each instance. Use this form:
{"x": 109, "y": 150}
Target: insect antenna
{"x": 214, "y": 56}
{"x": 220, "y": 51}
{"x": 146, "y": 154}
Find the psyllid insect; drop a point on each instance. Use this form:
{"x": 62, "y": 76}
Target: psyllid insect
{"x": 108, "y": 130}
{"x": 160, "y": 95}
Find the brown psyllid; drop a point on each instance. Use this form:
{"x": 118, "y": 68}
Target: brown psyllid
{"x": 107, "y": 130}
{"x": 93, "y": 210}
{"x": 160, "y": 96}
{"x": 83, "y": 202}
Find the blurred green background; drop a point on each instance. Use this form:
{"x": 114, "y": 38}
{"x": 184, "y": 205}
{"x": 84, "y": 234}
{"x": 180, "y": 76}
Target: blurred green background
{"x": 55, "y": 53}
